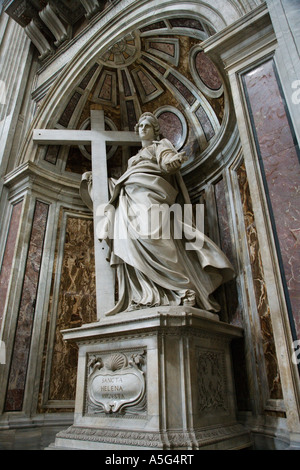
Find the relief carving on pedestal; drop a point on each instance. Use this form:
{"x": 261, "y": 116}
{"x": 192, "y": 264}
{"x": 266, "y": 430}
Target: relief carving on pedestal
{"x": 211, "y": 374}
{"x": 116, "y": 383}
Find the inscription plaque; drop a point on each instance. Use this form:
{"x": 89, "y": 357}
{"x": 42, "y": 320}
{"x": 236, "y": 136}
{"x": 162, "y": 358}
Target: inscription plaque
{"x": 116, "y": 383}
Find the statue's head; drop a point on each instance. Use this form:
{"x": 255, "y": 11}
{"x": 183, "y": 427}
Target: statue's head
{"x": 151, "y": 119}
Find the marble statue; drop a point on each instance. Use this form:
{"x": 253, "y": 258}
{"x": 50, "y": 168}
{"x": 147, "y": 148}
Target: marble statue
{"x": 153, "y": 269}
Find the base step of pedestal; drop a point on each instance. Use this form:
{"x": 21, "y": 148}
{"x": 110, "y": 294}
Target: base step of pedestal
{"x": 233, "y": 437}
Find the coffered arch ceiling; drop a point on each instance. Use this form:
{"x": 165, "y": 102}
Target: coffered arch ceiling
{"x": 161, "y": 68}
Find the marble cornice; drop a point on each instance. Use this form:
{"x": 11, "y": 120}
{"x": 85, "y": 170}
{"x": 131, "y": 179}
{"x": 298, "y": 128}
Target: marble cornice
{"x": 251, "y": 33}
{"x": 50, "y": 25}
{"x": 30, "y": 176}
{"x": 230, "y": 30}
{"x": 162, "y": 320}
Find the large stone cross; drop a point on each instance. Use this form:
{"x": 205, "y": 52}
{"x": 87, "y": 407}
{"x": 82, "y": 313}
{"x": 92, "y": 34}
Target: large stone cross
{"x": 98, "y": 137}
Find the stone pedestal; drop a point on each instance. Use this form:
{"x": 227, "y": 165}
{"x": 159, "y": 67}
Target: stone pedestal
{"x": 158, "y": 378}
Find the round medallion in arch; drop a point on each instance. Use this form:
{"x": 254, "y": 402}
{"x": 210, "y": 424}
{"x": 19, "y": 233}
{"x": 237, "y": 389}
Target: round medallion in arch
{"x": 205, "y": 73}
{"x": 86, "y": 149}
{"x": 172, "y": 125}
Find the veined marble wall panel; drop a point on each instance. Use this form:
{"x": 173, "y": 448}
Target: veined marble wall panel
{"x": 224, "y": 221}
{"x": 8, "y": 255}
{"x": 261, "y": 297}
{"x": 279, "y": 163}
{"x": 22, "y": 341}
{"x": 72, "y": 303}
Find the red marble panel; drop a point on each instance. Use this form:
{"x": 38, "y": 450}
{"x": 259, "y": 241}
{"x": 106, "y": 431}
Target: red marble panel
{"x": 52, "y": 154}
{"x": 132, "y": 120}
{"x": 170, "y": 127}
{"x": 186, "y": 23}
{"x": 8, "y": 255}
{"x": 126, "y": 86}
{"x": 207, "y": 71}
{"x": 154, "y": 64}
{"x": 146, "y": 83}
{"x": 205, "y": 123}
{"x": 183, "y": 90}
{"x": 165, "y": 47}
{"x": 21, "y": 349}
{"x": 281, "y": 171}
{"x": 84, "y": 83}
{"x": 150, "y": 27}
{"x": 69, "y": 109}
{"x": 106, "y": 89}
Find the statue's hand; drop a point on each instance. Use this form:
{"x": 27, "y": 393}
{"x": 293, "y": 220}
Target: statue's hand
{"x": 173, "y": 166}
{"x": 175, "y": 163}
{"x": 87, "y": 176}
{"x": 182, "y": 157}
{"x": 103, "y": 229}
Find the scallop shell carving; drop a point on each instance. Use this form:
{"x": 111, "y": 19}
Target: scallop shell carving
{"x": 116, "y": 362}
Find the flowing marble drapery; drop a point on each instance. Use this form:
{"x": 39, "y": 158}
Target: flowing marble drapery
{"x": 154, "y": 269}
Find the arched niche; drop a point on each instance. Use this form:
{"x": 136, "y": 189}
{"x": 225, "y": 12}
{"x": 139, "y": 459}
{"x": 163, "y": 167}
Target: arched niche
{"x": 146, "y": 63}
